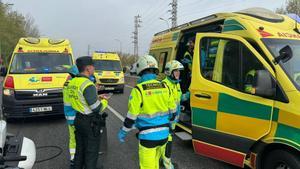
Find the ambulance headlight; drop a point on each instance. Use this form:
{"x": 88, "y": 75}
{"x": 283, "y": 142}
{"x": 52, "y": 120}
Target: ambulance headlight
{"x": 121, "y": 80}
{"x": 8, "y": 92}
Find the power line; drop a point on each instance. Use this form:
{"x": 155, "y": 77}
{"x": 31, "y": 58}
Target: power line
{"x": 149, "y": 14}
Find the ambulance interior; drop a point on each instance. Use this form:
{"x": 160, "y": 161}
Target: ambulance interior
{"x": 185, "y": 76}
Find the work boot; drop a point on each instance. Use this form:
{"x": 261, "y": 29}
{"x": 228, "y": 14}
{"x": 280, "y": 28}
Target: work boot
{"x": 175, "y": 165}
{"x": 72, "y": 164}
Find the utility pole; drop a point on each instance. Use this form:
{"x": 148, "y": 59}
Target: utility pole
{"x": 173, "y": 12}
{"x": 137, "y": 21}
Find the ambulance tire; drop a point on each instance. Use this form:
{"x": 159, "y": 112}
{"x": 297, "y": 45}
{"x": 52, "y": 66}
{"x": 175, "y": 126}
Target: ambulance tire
{"x": 121, "y": 91}
{"x": 281, "y": 159}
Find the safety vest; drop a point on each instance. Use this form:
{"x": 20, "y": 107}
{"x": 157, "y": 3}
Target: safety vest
{"x": 249, "y": 80}
{"x": 76, "y": 87}
{"x": 69, "y": 112}
{"x": 189, "y": 59}
{"x": 176, "y": 92}
{"x": 150, "y": 105}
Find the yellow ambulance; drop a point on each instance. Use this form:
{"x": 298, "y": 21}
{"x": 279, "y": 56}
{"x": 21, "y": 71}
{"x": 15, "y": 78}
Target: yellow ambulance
{"x": 244, "y": 107}
{"x": 34, "y": 79}
{"x": 108, "y": 71}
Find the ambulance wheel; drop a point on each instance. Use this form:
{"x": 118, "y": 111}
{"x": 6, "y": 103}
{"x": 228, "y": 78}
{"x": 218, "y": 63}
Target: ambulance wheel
{"x": 121, "y": 90}
{"x": 281, "y": 159}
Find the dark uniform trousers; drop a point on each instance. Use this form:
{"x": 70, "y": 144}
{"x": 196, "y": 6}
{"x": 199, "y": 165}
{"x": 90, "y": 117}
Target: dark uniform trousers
{"x": 87, "y": 135}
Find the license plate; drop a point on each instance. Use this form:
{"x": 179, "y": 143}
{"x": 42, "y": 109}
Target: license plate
{"x": 40, "y": 109}
{"x": 109, "y": 88}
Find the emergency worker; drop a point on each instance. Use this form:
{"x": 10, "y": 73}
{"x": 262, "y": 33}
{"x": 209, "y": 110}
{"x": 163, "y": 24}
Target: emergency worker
{"x": 172, "y": 71}
{"x": 249, "y": 81}
{"x": 70, "y": 114}
{"x": 149, "y": 109}
{"x": 188, "y": 55}
{"x": 88, "y": 121}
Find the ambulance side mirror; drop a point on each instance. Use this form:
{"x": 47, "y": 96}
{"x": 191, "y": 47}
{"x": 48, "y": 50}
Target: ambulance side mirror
{"x": 3, "y": 71}
{"x": 264, "y": 84}
{"x": 124, "y": 69}
{"x": 285, "y": 54}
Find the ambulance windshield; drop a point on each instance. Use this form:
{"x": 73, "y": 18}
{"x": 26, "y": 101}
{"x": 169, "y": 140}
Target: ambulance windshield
{"x": 24, "y": 63}
{"x": 107, "y": 65}
{"x": 292, "y": 66}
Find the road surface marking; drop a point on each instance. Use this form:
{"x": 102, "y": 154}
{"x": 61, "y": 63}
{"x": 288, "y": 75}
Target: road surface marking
{"x": 116, "y": 113}
{"x": 129, "y": 86}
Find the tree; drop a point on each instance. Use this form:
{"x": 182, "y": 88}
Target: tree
{"x": 13, "y": 26}
{"x": 291, "y": 6}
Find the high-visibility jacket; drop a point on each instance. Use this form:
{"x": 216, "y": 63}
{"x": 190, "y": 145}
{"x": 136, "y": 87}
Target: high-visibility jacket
{"x": 150, "y": 106}
{"x": 249, "y": 81}
{"x": 188, "y": 59}
{"x": 69, "y": 112}
{"x": 76, "y": 89}
{"x": 176, "y": 93}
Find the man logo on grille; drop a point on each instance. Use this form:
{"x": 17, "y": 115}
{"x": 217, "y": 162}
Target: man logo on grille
{"x": 39, "y": 93}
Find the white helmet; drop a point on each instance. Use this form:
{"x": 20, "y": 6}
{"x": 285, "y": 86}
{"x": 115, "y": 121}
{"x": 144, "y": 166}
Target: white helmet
{"x": 146, "y": 62}
{"x": 172, "y": 65}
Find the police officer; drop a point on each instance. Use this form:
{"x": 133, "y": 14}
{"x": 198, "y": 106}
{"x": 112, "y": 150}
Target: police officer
{"x": 88, "y": 122}
{"x": 149, "y": 108}
{"x": 172, "y": 71}
{"x": 69, "y": 112}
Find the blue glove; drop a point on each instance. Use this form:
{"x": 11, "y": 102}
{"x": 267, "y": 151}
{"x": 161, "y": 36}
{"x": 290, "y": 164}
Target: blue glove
{"x": 122, "y": 135}
{"x": 185, "y": 96}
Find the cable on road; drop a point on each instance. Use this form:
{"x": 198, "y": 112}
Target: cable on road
{"x": 60, "y": 150}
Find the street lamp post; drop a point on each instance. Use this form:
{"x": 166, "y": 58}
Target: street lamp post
{"x": 166, "y": 22}
{"x": 120, "y": 42}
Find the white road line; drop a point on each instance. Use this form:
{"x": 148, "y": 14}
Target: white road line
{"x": 116, "y": 113}
{"x": 129, "y": 86}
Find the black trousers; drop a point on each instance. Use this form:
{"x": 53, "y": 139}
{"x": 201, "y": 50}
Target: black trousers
{"x": 87, "y": 135}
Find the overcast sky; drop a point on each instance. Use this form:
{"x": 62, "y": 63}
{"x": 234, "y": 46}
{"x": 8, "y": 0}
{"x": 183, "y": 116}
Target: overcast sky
{"x": 99, "y": 23}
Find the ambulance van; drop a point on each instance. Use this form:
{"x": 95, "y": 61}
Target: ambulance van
{"x": 108, "y": 71}
{"x": 244, "y": 107}
{"x": 34, "y": 79}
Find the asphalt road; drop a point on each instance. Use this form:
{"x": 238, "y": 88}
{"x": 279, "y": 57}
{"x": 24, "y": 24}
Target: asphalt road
{"x": 53, "y": 132}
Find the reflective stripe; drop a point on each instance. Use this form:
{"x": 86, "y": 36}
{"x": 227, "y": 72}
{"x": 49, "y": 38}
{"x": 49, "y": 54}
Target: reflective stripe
{"x": 72, "y": 118}
{"x": 131, "y": 116}
{"x": 72, "y": 153}
{"x": 67, "y": 104}
{"x": 72, "y": 150}
{"x": 126, "y": 129}
{"x": 87, "y": 109}
{"x": 83, "y": 85}
{"x": 95, "y": 105}
{"x": 154, "y": 130}
{"x": 153, "y": 115}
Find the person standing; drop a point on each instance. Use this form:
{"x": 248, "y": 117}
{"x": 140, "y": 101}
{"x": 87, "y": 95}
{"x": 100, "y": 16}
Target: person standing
{"x": 88, "y": 122}
{"x": 149, "y": 108}
{"x": 70, "y": 114}
{"x": 172, "y": 72}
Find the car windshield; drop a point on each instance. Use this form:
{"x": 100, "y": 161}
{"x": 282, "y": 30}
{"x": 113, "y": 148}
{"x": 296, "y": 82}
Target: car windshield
{"x": 107, "y": 65}
{"x": 24, "y": 63}
{"x": 292, "y": 66}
